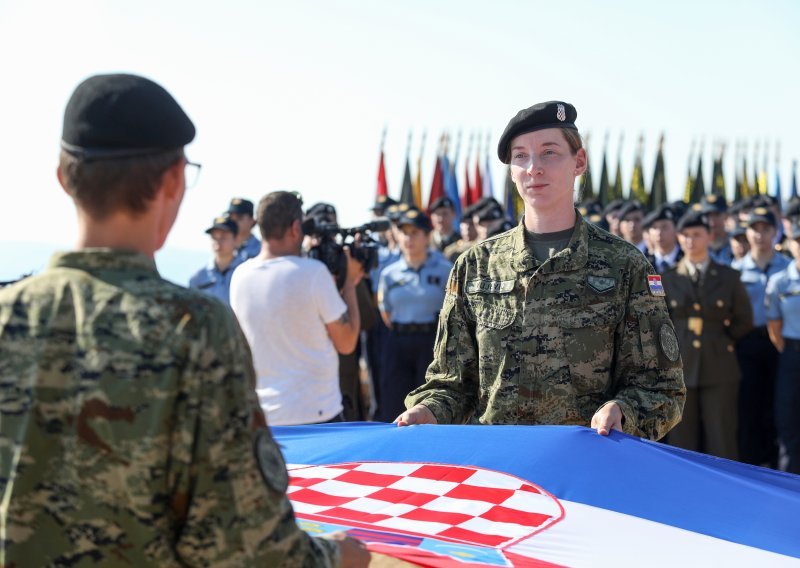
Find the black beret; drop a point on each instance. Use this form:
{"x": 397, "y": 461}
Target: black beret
{"x": 629, "y": 207}
{"x": 321, "y": 208}
{"x": 679, "y": 208}
{"x": 590, "y": 207}
{"x": 490, "y": 213}
{"x": 693, "y": 218}
{"x": 761, "y": 215}
{"x": 613, "y": 206}
{"x": 499, "y": 226}
{"x": 121, "y": 116}
{"x": 382, "y": 202}
{"x": 442, "y": 202}
{"x": 714, "y": 203}
{"x": 739, "y": 230}
{"x": 662, "y": 213}
{"x": 241, "y": 206}
{"x": 394, "y": 212}
{"x": 552, "y": 114}
{"x": 793, "y": 208}
{"x": 417, "y": 218}
{"x": 225, "y": 223}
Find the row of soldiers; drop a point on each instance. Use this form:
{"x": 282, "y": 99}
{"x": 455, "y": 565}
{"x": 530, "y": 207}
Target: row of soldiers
{"x": 716, "y": 261}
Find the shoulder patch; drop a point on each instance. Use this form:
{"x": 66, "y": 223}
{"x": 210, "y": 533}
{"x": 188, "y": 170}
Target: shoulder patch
{"x": 669, "y": 342}
{"x": 270, "y": 462}
{"x": 490, "y": 286}
{"x": 600, "y": 284}
{"x": 655, "y": 285}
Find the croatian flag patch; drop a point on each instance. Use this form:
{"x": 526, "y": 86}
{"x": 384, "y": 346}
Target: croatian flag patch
{"x": 654, "y": 283}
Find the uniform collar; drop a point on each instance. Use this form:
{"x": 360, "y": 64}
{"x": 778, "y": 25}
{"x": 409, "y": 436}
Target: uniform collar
{"x": 103, "y": 259}
{"x": 573, "y": 257}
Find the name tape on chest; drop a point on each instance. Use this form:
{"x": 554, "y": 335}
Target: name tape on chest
{"x": 490, "y": 286}
{"x": 655, "y": 285}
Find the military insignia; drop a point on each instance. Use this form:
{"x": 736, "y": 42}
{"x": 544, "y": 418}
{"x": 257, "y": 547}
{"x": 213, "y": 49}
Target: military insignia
{"x": 669, "y": 342}
{"x": 220, "y": 220}
{"x": 561, "y": 113}
{"x": 412, "y": 214}
{"x": 270, "y": 462}
{"x": 235, "y": 201}
{"x": 760, "y": 211}
{"x": 697, "y": 207}
{"x": 712, "y": 198}
{"x": 600, "y": 284}
{"x": 655, "y": 285}
{"x": 490, "y": 286}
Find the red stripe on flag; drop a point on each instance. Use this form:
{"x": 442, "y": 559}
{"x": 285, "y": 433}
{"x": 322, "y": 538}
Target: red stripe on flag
{"x": 403, "y": 497}
{"x": 530, "y": 489}
{"x": 369, "y": 478}
{"x": 473, "y": 537}
{"x": 305, "y": 481}
{"x": 443, "y": 473}
{"x": 353, "y": 515}
{"x": 436, "y": 516}
{"x": 316, "y": 498}
{"x": 473, "y": 493}
{"x": 505, "y": 515}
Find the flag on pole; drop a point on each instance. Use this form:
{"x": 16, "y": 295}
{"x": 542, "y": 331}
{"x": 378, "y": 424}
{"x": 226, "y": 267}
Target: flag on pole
{"x": 451, "y": 183}
{"x": 604, "y": 191}
{"x": 638, "y": 190}
{"x": 437, "y": 185}
{"x": 466, "y": 194}
{"x": 382, "y": 188}
{"x": 793, "y": 194}
{"x": 477, "y": 182}
{"x": 658, "y": 189}
{"x": 718, "y": 176}
{"x": 488, "y": 185}
{"x": 616, "y": 189}
{"x": 737, "y": 186}
{"x": 407, "y": 188}
{"x": 418, "y": 179}
{"x": 698, "y": 186}
{"x": 777, "y": 192}
{"x": 512, "y": 202}
{"x": 585, "y": 186}
{"x": 461, "y": 496}
{"x": 687, "y": 191}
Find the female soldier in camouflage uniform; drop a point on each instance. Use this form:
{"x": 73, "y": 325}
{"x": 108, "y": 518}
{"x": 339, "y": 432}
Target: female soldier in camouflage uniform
{"x": 555, "y": 321}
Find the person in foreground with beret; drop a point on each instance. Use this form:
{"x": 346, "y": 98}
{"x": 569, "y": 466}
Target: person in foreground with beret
{"x": 130, "y": 432}
{"x": 555, "y": 321}
{"x": 711, "y": 312}
{"x": 214, "y": 279}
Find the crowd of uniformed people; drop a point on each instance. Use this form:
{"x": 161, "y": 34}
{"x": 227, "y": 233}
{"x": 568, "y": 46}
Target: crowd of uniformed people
{"x": 732, "y": 289}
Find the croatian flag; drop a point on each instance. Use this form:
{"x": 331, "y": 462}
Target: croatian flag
{"x": 542, "y": 496}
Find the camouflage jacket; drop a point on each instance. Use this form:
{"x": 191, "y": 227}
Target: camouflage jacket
{"x": 129, "y": 427}
{"x": 525, "y": 343}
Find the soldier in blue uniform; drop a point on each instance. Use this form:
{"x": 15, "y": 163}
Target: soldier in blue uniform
{"x": 215, "y": 278}
{"x": 241, "y": 212}
{"x": 410, "y": 295}
{"x": 716, "y": 209}
{"x": 758, "y": 358}
{"x": 783, "y": 323}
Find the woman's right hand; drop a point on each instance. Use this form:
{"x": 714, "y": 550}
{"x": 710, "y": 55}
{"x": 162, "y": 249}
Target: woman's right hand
{"x": 419, "y": 414}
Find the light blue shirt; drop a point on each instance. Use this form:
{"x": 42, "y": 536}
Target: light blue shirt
{"x": 414, "y": 296}
{"x": 213, "y": 282}
{"x": 386, "y": 256}
{"x": 249, "y": 249}
{"x": 755, "y": 281}
{"x": 783, "y": 300}
{"x": 722, "y": 256}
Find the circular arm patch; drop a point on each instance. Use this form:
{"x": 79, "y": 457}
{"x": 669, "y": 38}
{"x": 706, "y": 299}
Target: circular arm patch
{"x": 669, "y": 342}
{"x": 270, "y": 462}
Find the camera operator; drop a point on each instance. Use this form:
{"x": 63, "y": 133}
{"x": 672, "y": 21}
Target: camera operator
{"x": 294, "y": 318}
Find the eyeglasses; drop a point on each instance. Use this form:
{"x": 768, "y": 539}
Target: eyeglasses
{"x": 192, "y": 173}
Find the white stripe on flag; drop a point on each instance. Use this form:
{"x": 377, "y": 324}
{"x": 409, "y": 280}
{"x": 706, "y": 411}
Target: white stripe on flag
{"x": 308, "y": 508}
{"x": 465, "y": 506}
{"x": 367, "y": 505}
{"x": 389, "y": 468}
{"x": 533, "y": 503}
{"x": 495, "y": 480}
{"x": 342, "y": 489}
{"x": 482, "y": 526}
{"x": 318, "y": 472}
{"x": 427, "y": 486}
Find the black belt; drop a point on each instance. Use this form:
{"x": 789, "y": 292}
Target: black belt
{"x": 791, "y": 344}
{"x": 413, "y": 328}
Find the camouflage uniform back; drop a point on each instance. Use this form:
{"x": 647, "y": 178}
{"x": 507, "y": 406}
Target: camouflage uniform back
{"x": 526, "y": 343}
{"x": 128, "y": 426}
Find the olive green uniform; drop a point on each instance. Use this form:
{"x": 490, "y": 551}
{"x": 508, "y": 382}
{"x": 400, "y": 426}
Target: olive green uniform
{"x": 521, "y": 342}
{"x": 129, "y": 427}
{"x": 710, "y": 314}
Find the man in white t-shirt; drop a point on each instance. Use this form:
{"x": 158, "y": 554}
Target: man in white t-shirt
{"x": 294, "y": 318}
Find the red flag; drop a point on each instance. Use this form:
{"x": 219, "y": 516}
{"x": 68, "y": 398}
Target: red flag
{"x": 437, "y": 187}
{"x": 381, "y": 189}
{"x": 477, "y": 188}
{"x": 466, "y": 197}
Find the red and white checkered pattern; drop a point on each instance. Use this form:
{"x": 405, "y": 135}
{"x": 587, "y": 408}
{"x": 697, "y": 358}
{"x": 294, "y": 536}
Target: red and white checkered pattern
{"x": 456, "y": 503}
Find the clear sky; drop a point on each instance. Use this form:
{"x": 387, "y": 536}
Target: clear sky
{"x": 295, "y": 95}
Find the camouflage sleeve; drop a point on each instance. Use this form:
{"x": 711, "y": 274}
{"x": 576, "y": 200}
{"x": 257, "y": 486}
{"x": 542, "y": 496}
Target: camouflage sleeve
{"x": 228, "y": 480}
{"x": 647, "y": 379}
{"x": 451, "y": 387}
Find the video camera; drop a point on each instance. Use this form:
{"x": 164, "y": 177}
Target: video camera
{"x": 333, "y": 238}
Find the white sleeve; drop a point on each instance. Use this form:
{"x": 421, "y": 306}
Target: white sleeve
{"x": 330, "y": 305}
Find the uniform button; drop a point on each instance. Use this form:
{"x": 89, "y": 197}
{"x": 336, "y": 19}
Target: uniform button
{"x": 674, "y": 303}
{"x": 730, "y": 348}
{"x": 720, "y": 304}
{"x": 726, "y": 323}
{"x": 696, "y": 307}
{"x": 696, "y": 344}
